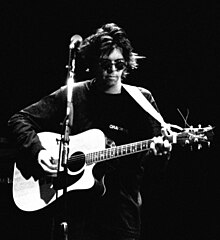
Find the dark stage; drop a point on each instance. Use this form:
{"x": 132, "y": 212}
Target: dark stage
{"x": 181, "y": 69}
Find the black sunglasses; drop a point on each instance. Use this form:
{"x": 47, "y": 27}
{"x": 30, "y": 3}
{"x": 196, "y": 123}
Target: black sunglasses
{"x": 107, "y": 64}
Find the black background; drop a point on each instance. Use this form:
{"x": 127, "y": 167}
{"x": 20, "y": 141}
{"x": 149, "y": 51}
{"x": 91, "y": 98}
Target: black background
{"x": 181, "y": 69}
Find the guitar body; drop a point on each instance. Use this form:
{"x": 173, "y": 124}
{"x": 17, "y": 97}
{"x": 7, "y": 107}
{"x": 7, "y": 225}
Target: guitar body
{"x": 30, "y": 194}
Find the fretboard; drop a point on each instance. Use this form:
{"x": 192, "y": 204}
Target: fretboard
{"x": 116, "y": 152}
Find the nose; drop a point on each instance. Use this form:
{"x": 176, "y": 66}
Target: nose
{"x": 112, "y": 68}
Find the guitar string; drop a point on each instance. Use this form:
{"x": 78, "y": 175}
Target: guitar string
{"x": 110, "y": 152}
{"x": 104, "y": 154}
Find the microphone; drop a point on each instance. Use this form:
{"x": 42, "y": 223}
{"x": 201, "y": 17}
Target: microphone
{"x": 75, "y": 41}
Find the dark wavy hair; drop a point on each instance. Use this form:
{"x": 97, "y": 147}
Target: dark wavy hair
{"x": 105, "y": 39}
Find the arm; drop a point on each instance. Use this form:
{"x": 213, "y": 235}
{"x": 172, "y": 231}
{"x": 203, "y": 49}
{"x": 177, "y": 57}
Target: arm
{"x": 160, "y": 145}
{"x": 45, "y": 115}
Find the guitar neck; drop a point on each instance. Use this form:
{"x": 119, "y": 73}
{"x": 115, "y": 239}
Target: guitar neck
{"x": 118, "y": 151}
{"x": 188, "y": 136}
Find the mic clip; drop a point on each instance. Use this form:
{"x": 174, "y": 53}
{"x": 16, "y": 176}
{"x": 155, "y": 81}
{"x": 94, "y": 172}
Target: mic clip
{"x": 75, "y": 42}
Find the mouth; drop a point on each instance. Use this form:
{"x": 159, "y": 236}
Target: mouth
{"x": 111, "y": 77}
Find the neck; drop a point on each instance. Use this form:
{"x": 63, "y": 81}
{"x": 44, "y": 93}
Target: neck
{"x": 116, "y": 89}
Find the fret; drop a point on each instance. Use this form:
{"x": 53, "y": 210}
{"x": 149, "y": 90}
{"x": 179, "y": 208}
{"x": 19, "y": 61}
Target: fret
{"x": 108, "y": 153}
{"x": 139, "y": 146}
{"x": 92, "y": 157}
{"x": 89, "y": 159}
{"x": 133, "y": 147}
{"x": 124, "y": 149}
{"x": 144, "y": 145}
{"x": 119, "y": 151}
{"x": 102, "y": 157}
{"x": 116, "y": 152}
{"x": 95, "y": 156}
{"x": 129, "y": 150}
{"x": 112, "y": 152}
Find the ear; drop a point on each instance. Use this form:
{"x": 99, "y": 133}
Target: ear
{"x": 124, "y": 73}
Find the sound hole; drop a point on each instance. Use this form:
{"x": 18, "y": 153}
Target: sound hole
{"x": 76, "y": 161}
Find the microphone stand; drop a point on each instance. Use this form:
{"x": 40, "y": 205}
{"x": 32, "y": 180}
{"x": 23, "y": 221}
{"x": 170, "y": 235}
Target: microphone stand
{"x": 68, "y": 122}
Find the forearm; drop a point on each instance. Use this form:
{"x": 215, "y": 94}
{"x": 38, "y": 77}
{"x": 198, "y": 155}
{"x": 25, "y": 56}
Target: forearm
{"x": 24, "y": 132}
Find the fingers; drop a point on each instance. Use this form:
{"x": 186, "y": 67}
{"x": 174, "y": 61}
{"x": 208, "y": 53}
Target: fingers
{"x": 47, "y": 162}
{"x": 167, "y": 145}
{"x": 159, "y": 146}
{"x": 153, "y": 148}
{"x": 166, "y": 132}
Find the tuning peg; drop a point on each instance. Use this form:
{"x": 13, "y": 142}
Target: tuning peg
{"x": 199, "y": 146}
{"x": 200, "y": 129}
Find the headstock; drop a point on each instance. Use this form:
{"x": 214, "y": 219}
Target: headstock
{"x": 195, "y": 136}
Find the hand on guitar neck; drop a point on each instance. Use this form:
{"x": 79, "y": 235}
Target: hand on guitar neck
{"x": 160, "y": 145}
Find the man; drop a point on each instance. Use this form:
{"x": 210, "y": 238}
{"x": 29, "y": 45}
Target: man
{"x": 100, "y": 103}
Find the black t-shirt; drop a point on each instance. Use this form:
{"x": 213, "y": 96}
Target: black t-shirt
{"x": 123, "y": 121}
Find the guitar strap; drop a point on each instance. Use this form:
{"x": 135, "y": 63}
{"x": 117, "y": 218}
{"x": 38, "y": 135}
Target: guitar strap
{"x": 144, "y": 103}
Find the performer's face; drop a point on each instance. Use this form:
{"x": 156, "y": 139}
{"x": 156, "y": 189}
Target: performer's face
{"x": 110, "y": 70}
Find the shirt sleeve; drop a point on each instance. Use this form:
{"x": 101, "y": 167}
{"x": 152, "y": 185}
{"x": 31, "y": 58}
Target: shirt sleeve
{"x": 44, "y": 115}
{"x": 156, "y": 126}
